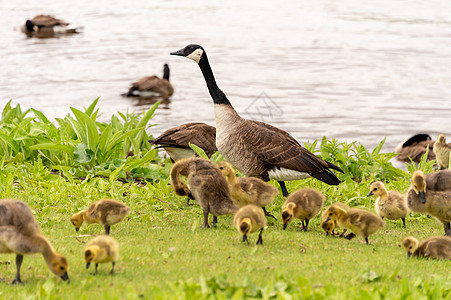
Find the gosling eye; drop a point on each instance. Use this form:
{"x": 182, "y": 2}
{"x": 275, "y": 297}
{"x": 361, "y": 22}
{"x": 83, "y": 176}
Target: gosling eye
{"x": 61, "y": 268}
{"x": 375, "y": 189}
{"x": 330, "y": 214}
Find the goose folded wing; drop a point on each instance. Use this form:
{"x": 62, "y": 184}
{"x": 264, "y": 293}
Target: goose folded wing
{"x": 46, "y": 20}
{"x": 146, "y": 83}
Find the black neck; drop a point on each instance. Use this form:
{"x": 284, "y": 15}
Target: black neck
{"x": 216, "y": 94}
{"x": 166, "y": 73}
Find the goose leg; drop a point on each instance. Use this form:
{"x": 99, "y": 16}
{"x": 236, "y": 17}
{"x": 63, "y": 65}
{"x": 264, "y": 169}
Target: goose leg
{"x": 403, "y": 222}
{"x": 366, "y": 240}
{"x": 112, "y": 270}
{"x": 350, "y": 236}
{"x": 283, "y": 188}
{"x": 260, "y": 237}
{"x": 19, "y": 259}
{"x": 447, "y": 229}
{"x": 302, "y": 225}
{"x": 268, "y": 214}
{"x": 215, "y": 220}
{"x": 306, "y": 224}
{"x": 206, "y": 218}
{"x": 107, "y": 229}
{"x": 96, "y": 269}
{"x": 343, "y": 233}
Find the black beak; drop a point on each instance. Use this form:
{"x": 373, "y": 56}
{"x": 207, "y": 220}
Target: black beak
{"x": 178, "y": 53}
{"x": 422, "y": 197}
{"x": 77, "y": 229}
{"x": 327, "y": 219}
{"x": 87, "y": 265}
{"x": 370, "y": 194}
{"x": 409, "y": 254}
{"x": 327, "y": 233}
{"x": 245, "y": 239}
{"x": 285, "y": 226}
{"x": 65, "y": 277}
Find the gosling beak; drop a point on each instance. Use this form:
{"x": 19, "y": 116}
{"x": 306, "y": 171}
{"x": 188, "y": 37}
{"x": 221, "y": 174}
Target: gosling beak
{"x": 370, "y": 194}
{"x": 77, "y": 229}
{"x": 409, "y": 254}
{"x": 422, "y": 197}
{"x": 244, "y": 238}
{"x": 327, "y": 219}
{"x": 191, "y": 196}
{"x": 285, "y": 226}
{"x": 327, "y": 233}
{"x": 87, "y": 265}
{"x": 65, "y": 277}
{"x": 178, "y": 53}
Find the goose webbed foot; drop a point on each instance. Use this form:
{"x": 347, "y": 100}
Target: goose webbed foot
{"x": 349, "y": 236}
{"x": 268, "y": 214}
{"x": 260, "y": 237}
{"x": 215, "y": 221}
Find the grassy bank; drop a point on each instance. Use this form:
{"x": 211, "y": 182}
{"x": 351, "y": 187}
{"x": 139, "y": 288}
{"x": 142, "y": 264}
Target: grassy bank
{"x": 165, "y": 254}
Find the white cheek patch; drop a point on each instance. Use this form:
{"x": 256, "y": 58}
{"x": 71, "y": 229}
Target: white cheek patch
{"x": 196, "y": 55}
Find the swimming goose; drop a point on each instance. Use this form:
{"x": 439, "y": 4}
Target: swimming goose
{"x": 101, "y": 249}
{"x": 415, "y": 147}
{"x": 422, "y": 200}
{"x": 175, "y": 141}
{"x": 433, "y": 247}
{"x": 105, "y": 212}
{"x": 152, "y": 86}
{"x": 20, "y": 234}
{"x": 255, "y": 148}
{"x": 46, "y": 26}
{"x": 207, "y": 186}
{"x": 441, "y": 150}
{"x": 249, "y": 219}
{"x": 389, "y": 204}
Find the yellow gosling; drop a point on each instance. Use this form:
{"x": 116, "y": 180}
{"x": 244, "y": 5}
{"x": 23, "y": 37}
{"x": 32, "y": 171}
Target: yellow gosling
{"x": 441, "y": 150}
{"x": 106, "y": 212}
{"x": 330, "y": 225}
{"x": 249, "y": 219}
{"x": 434, "y": 247}
{"x": 303, "y": 204}
{"x": 101, "y": 249}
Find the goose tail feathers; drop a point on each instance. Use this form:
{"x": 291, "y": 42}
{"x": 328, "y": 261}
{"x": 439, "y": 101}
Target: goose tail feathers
{"x": 327, "y": 176}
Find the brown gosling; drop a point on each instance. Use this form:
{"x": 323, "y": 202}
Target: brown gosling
{"x": 439, "y": 181}
{"x": 303, "y": 204}
{"x": 330, "y": 225}
{"x": 101, "y": 249}
{"x": 20, "y": 234}
{"x": 415, "y": 147}
{"x": 422, "y": 200}
{"x": 433, "y": 247}
{"x": 249, "y": 219}
{"x": 389, "y": 204}
{"x": 207, "y": 186}
{"x": 248, "y": 190}
{"x": 441, "y": 150}
{"x": 105, "y": 212}
{"x": 361, "y": 222}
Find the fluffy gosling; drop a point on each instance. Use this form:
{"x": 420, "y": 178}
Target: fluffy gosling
{"x": 330, "y": 225}
{"x": 105, "y": 212}
{"x": 441, "y": 150}
{"x": 248, "y": 190}
{"x": 101, "y": 249}
{"x": 433, "y": 247}
{"x": 361, "y": 222}
{"x": 303, "y": 204}
{"x": 389, "y": 204}
{"x": 249, "y": 219}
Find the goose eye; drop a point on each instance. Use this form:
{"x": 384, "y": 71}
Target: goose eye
{"x": 330, "y": 214}
{"x": 61, "y": 268}
{"x": 375, "y": 189}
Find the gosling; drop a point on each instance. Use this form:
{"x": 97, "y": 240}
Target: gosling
{"x": 105, "y": 212}
{"x": 207, "y": 186}
{"x": 434, "y": 247}
{"x": 248, "y": 190}
{"x": 101, "y": 249}
{"x": 330, "y": 225}
{"x": 20, "y": 234}
{"x": 361, "y": 222}
{"x": 389, "y": 204}
{"x": 436, "y": 203}
{"x": 303, "y": 204}
{"x": 441, "y": 150}
{"x": 439, "y": 181}
{"x": 249, "y": 219}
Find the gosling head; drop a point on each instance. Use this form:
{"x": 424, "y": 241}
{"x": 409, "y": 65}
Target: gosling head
{"x": 225, "y": 169}
{"x": 333, "y": 212}
{"x": 77, "y": 220}
{"x": 58, "y": 265}
{"x": 287, "y": 214}
{"x": 244, "y": 228}
{"x": 441, "y": 138}
{"x": 90, "y": 254}
{"x": 377, "y": 189}
{"x": 419, "y": 185}
{"x": 193, "y": 51}
{"x": 328, "y": 226}
{"x": 410, "y": 244}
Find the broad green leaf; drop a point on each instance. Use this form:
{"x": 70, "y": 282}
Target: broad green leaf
{"x": 199, "y": 151}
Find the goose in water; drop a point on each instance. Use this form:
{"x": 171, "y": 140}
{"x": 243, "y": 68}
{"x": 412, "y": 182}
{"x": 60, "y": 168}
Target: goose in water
{"x": 255, "y": 148}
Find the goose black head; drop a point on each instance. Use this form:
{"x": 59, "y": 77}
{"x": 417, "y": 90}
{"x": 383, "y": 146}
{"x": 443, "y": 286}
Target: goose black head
{"x": 192, "y": 51}
{"x": 29, "y": 26}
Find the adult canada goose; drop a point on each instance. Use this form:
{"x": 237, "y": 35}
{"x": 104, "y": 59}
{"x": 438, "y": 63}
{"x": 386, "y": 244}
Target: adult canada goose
{"x": 249, "y": 219}
{"x": 441, "y": 150}
{"x": 176, "y": 140}
{"x": 433, "y": 247}
{"x": 422, "y": 200}
{"x": 101, "y": 249}
{"x": 415, "y": 147}
{"x": 152, "y": 86}
{"x": 46, "y": 26}
{"x": 389, "y": 204}
{"x": 248, "y": 190}
{"x": 206, "y": 184}
{"x": 105, "y": 212}
{"x": 255, "y": 148}
{"x": 20, "y": 234}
